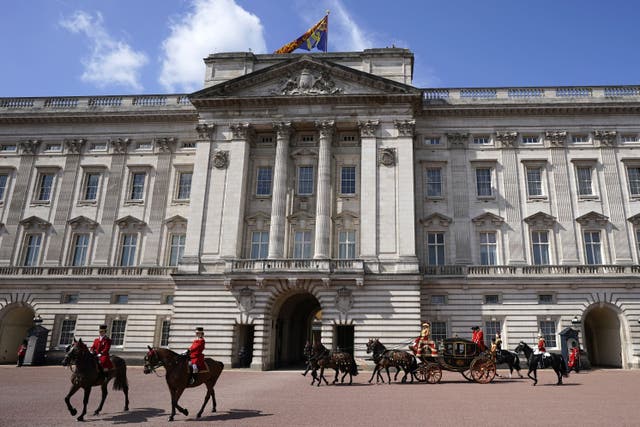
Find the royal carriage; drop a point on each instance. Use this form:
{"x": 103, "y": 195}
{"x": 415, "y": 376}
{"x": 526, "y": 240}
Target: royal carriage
{"x": 457, "y": 355}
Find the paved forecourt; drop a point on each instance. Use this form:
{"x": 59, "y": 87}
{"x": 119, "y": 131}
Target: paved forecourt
{"x": 33, "y": 396}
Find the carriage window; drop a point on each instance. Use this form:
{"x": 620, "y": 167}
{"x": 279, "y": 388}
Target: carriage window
{"x": 117, "y": 331}
{"x": 548, "y": 331}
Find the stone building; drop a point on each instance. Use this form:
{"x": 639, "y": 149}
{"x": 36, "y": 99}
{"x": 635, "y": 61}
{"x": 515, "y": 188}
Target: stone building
{"x": 322, "y": 196}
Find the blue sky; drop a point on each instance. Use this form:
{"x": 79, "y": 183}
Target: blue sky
{"x": 88, "y": 47}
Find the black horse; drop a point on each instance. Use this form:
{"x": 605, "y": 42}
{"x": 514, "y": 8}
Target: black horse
{"x": 385, "y": 359}
{"x": 511, "y": 359}
{"x": 556, "y": 361}
{"x": 339, "y": 361}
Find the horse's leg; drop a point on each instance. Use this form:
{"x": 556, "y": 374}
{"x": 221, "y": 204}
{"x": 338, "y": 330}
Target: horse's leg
{"x": 67, "y": 399}
{"x": 388, "y": 374}
{"x": 104, "y": 390}
{"x": 343, "y": 375}
{"x": 335, "y": 377}
{"x": 180, "y": 408}
{"x": 532, "y": 368}
{"x": 85, "y": 400}
{"x": 173, "y": 404}
{"x": 206, "y": 399}
{"x": 213, "y": 398}
{"x": 375, "y": 370}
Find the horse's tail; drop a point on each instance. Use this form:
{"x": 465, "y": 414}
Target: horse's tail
{"x": 354, "y": 366}
{"x": 563, "y": 367}
{"x": 216, "y": 367}
{"x": 120, "y": 381}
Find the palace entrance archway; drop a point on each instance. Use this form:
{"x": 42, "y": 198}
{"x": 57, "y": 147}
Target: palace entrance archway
{"x": 602, "y": 336}
{"x": 15, "y": 320}
{"x": 297, "y": 321}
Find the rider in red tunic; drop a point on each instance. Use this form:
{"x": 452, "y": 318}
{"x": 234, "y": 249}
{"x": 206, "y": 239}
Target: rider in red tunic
{"x": 478, "y": 338}
{"x": 423, "y": 345}
{"x": 101, "y": 347}
{"x": 196, "y": 354}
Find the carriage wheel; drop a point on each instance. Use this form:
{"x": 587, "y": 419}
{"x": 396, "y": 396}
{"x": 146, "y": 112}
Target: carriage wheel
{"x": 467, "y": 375}
{"x": 421, "y": 373}
{"x": 483, "y": 370}
{"x": 434, "y": 373}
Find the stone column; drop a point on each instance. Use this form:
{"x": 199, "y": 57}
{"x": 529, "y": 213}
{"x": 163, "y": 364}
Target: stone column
{"x": 461, "y": 228}
{"x": 406, "y": 195}
{"x": 368, "y": 189}
{"x": 279, "y": 193}
{"x": 65, "y": 200}
{"x": 323, "y": 199}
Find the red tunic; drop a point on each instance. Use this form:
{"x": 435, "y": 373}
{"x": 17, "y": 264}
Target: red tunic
{"x": 573, "y": 357}
{"x": 22, "y": 350}
{"x": 196, "y": 352}
{"x": 101, "y": 348}
{"x": 478, "y": 338}
{"x": 541, "y": 345}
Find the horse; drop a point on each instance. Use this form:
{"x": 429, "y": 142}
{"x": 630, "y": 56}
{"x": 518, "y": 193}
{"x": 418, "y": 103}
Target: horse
{"x": 308, "y": 352}
{"x": 88, "y": 374}
{"x": 511, "y": 359}
{"x": 340, "y": 361}
{"x": 177, "y": 376}
{"x": 384, "y": 359}
{"x": 556, "y": 361}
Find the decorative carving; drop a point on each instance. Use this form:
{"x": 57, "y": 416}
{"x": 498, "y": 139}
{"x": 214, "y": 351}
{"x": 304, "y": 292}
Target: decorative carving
{"x": 309, "y": 83}
{"x": 260, "y": 282}
{"x": 488, "y": 219}
{"x": 540, "y": 220}
{"x": 344, "y": 300}
{"x": 607, "y": 138}
{"x": 29, "y": 146}
{"x": 120, "y": 145}
{"x": 74, "y": 146}
{"x": 556, "y": 138}
{"x": 128, "y": 221}
{"x": 34, "y": 222}
{"x": 228, "y": 284}
{"x": 240, "y": 130}
{"x": 436, "y": 220}
{"x": 405, "y": 127}
{"x": 221, "y": 159}
{"x": 327, "y": 128}
{"x": 165, "y": 145}
{"x": 175, "y": 221}
{"x": 359, "y": 281}
{"x": 82, "y": 220}
{"x": 326, "y": 282}
{"x": 507, "y": 139}
{"x": 387, "y": 156}
{"x": 283, "y": 130}
{"x": 592, "y": 219}
{"x": 205, "y": 131}
{"x": 458, "y": 140}
{"x": 635, "y": 220}
{"x": 246, "y": 299}
{"x": 368, "y": 128}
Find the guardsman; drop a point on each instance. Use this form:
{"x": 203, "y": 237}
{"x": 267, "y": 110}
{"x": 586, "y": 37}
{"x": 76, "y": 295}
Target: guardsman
{"x": 478, "y": 338}
{"x": 196, "y": 354}
{"x": 423, "y": 345}
{"x": 22, "y": 352}
{"x": 574, "y": 358}
{"x": 542, "y": 349}
{"x": 100, "y": 348}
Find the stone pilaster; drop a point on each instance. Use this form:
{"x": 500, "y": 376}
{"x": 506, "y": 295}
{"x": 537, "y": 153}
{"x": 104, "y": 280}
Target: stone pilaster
{"x": 279, "y": 193}
{"x": 323, "y": 200}
{"x": 368, "y": 189}
{"x": 461, "y": 226}
{"x": 406, "y": 194}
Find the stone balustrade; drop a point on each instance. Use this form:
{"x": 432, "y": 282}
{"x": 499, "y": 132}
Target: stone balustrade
{"x": 531, "y": 270}
{"x": 92, "y": 103}
{"x": 86, "y": 271}
{"x": 294, "y": 265}
{"x": 528, "y": 94}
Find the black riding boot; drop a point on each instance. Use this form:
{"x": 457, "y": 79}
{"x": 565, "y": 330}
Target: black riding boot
{"x": 192, "y": 377}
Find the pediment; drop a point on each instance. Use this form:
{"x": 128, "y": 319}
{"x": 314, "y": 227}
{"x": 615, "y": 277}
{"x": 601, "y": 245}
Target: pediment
{"x": 259, "y": 219}
{"x": 488, "y": 218}
{"x": 81, "y": 221}
{"x": 540, "y": 219}
{"x": 635, "y": 220}
{"x": 129, "y": 220}
{"x": 302, "y": 219}
{"x": 305, "y": 76}
{"x": 35, "y": 222}
{"x": 436, "y": 219}
{"x": 346, "y": 219}
{"x": 592, "y": 219}
{"x": 175, "y": 221}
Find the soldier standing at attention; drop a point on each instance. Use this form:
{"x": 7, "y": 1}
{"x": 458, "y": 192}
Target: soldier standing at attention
{"x": 22, "y": 352}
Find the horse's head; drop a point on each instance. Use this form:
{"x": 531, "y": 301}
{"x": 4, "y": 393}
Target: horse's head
{"x": 151, "y": 360}
{"x": 308, "y": 350}
{"x": 520, "y": 347}
{"x": 73, "y": 352}
{"x": 370, "y": 345}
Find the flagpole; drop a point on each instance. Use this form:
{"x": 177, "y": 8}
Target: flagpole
{"x": 326, "y": 46}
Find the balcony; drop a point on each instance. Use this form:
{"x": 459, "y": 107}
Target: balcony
{"x": 294, "y": 266}
{"x": 485, "y": 271}
{"x": 86, "y": 271}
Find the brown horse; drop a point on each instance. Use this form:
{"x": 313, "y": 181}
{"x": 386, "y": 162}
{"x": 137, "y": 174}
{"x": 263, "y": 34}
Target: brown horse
{"x": 177, "y": 376}
{"x": 87, "y": 374}
{"x": 340, "y": 361}
{"x": 385, "y": 359}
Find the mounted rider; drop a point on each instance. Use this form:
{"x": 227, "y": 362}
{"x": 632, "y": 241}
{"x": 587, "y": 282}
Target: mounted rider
{"x": 542, "y": 349}
{"x": 423, "y": 345}
{"x": 196, "y": 355}
{"x": 478, "y": 337}
{"x": 100, "y": 348}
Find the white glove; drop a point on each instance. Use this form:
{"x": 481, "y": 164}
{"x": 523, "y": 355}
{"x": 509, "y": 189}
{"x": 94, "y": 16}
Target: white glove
{"x": 99, "y": 354}
{"x": 185, "y": 353}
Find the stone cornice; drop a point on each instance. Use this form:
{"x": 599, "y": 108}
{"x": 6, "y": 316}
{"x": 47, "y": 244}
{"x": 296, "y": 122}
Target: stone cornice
{"x": 99, "y": 117}
{"x": 487, "y": 110}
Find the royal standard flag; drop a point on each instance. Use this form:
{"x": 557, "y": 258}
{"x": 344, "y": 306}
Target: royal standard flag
{"x": 315, "y": 37}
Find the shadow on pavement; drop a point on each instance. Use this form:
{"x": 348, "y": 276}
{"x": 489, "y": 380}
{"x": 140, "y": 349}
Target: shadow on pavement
{"x": 135, "y": 416}
{"x": 235, "y": 414}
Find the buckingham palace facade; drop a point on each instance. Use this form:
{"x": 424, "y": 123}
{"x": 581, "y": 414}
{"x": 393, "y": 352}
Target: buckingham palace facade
{"x": 322, "y": 196}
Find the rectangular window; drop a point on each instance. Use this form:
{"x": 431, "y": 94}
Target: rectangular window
{"x": 481, "y": 140}
{"x": 548, "y": 331}
{"x": 629, "y": 138}
{"x": 305, "y": 180}
{"x": 302, "y": 245}
{"x": 348, "y": 180}
{"x": 188, "y": 145}
{"x": 137, "y": 185}
{"x": 432, "y": 141}
{"x": 9, "y": 148}
{"x": 164, "y": 333}
{"x": 491, "y": 328}
{"x": 585, "y": 187}
{"x": 184, "y": 185}
{"x": 176, "y": 250}
{"x": 144, "y": 146}
{"x": 259, "y": 244}
{"x": 534, "y": 181}
{"x": 80, "y": 250}
{"x": 128, "y": 250}
{"x": 434, "y": 182}
{"x": 307, "y": 138}
{"x": 67, "y": 331}
{"x": 45, "y": 186}
{"x": 435, "y": 248}
{"x": 98, "y": 146}
{"x": 438, "y": 299}
{"x": 488, "y": 249}
{"x": 349, "y": 138}
{"x": 53, "y": 148}
{"x": 483, "y": 182}
{"x": 117, "y": 331}
{"x": 545, "y": 299}
{"x": 121, "y": 299}
{"x": 438, "y": 331}
{"x": 592, "y": 247}
{"x": 347, "y": 244}
{"x": 540, "y": 247}
{"x": 70, "y": 298}
{"x": 266, "y": 139}
{"x": 634, "y": 180}
{"x": 492, "y": 299}
{"x": 32, "y": 251}
{"x": 263, "y": 187}
{"x": 3, "y": 185}
{"x": 529, "y": 139}
{"x": 578, "y": 139}
{"x": 92, "y": 180}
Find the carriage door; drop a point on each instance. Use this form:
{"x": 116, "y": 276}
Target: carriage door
{"x": 343, "y": 338}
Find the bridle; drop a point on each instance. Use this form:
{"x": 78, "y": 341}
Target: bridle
{"x": 147, "y": 362}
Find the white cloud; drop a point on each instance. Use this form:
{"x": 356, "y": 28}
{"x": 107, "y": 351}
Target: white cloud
{"x": 345, "y": 35}
{"x": 112, "y": 62}
{"x": 212, "y": 26}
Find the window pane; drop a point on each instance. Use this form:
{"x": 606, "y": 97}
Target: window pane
{"x": 584, "y": 181}
{"x": 347, "y": 245}
{"x": 534, "y": 182}
{"x": 540, "y": 249}
{"x": 548, "y": 331}
{"x": 634, "y": 181}
{"x": 491, "y": 327}
{"x": 305, "y": 180}
{"x": 438, "y": 331}
{"x": 80, "y": 249}
{"x": 348, "y": 180}
{"x": 302, "y": 245}
{"x": 483, "y": 182}
{"x": 184, "y": 185}
{"x": 46, "y": 184}
{"x": 434, "y": 183}
{"x": 488, "y": 249}
{"x": 91, "y": 186}
{"x": 592, "y": 247}
{"x": 67, "y": 330}
{"x": 117, "y": 331}
{"x": 128, "y": 257}
{"x": 164, "y": 335}
{"x": 259, "y": 244}
{"x": 137, "y": 187}
{"x": 435, "y": 249}
{"x": 264, "y": 182}
{"x": 3, "y": 185}
{"x": 33, "y": 250}
{"x": 177, "y": 248}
